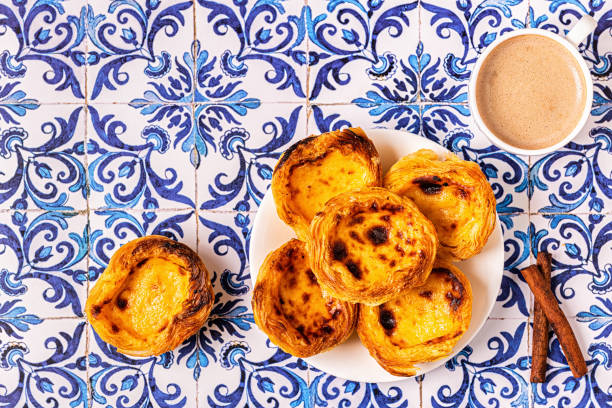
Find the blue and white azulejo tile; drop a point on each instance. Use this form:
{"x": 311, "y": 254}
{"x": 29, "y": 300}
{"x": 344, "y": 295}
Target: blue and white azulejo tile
{"x": 241, "y": 151}
{"x": 44, "y": 265}
{"x": 140, "y": 49}
{"x": 42, "y": 157}
{"x": 136, "y": 161}
{"x": 362, "y": 50}
{"x": 43, "y": 51}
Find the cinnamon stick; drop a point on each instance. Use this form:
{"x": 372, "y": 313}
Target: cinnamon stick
{"x": 544, "y": 296}
{"x": 540, "y": 327}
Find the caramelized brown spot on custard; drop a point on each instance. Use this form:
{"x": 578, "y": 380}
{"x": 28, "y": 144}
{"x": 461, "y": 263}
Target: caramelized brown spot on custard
{"x": 386, "y": 320}
{"x": 461, "y": 193}
{"x": 426, "y": 294}
{"x": 429, "y": 184}
{"x": 339, "y": 251}
{"x": 121, "y": 303}
{"x": 358, "y": 219}
{"x": 95, "y": 310}
{"x": 305, "y": 297}
{"x": 378, "y": 235}
{"x": 456, "y": 295}
{"x": 114, "y": 328}
{"x": 400, "y": 250}
{"x": 392, "y": 208}
{"x": 354, "y": 269}
{"x": 356, "y": 237}
{"x": 311, "y": 276}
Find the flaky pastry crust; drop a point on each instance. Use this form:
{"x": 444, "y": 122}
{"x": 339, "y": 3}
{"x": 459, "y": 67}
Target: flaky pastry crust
{"x": 289, "y": 307}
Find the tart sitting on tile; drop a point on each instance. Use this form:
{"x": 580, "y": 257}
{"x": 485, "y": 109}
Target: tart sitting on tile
{"x": 453, "y": 193}
{"x": 318, "y": 168}
{"x": 154, "y": 294}
{"x": 289, "y": 307}
{"x": 423, "y": 324}
{"x": 370, "y": 245}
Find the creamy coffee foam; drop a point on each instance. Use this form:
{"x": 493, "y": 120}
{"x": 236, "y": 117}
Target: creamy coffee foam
{"x": 530, "y": 92}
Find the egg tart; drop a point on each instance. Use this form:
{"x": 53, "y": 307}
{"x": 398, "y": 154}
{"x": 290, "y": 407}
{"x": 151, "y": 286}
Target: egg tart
{"x": 289, "y": 307}
{"x": 421, "y": 325}
{"x": 153, "y": 295}
{"x": 453, "y": 193}
{"x": 318, "y": 168}
{"x": 371, "y": 245}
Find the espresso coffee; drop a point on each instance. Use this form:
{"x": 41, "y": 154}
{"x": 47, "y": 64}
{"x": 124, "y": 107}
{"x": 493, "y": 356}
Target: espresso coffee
{"x": 530, "y": 92}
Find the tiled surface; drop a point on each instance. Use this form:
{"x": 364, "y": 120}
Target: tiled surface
{"x": 122, "y": 119}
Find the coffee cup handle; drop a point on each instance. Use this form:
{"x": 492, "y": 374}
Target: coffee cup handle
{"x": 585, "y": 26}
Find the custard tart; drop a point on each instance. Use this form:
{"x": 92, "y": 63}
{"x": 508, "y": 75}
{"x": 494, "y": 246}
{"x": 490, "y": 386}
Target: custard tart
{"x": 318, "y": 168}
{"x": 370, "y": 245}
{"x": 154, "y": 294}
{"x": 423, "y": 324}
{"x": 453, "y": 193}
{"x": 289, "y": 307}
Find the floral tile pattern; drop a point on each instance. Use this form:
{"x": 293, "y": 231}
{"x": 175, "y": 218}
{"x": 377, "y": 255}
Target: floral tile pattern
{"x": 496, "y": 360}
{"x": 592, "y": 389}
{"x": 44, "y": 51}
{"x": 44, "y": 265}
{"x": 452, "y": 37}
{"x": 140, "y": 162}
{"x": 132, "y": 47}
{"x": 43, "y": 157}
{"x": 243, "y": 150}
{"x": 330, "y": 391}
{"x": 252, "y": 44}
{"x": 578, "y": 177}
{"x": 126, "y": 118}
{"x": 363, "y": 48}
{"x": 44, "y": 363}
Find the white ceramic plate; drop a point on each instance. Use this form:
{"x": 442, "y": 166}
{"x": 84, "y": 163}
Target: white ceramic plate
{"x": 351, "y": 359}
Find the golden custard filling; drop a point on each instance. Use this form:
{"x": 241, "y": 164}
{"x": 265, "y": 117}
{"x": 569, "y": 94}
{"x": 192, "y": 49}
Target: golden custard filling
{"x": 371, "y": 243}
{"x": 428, "y": 313}
{"x": 423, "y": 324}
{"x": 152, "y": 293}
{"x": 312, "y": 186}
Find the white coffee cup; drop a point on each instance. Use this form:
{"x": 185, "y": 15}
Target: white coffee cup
{"x": 583, "y": 27}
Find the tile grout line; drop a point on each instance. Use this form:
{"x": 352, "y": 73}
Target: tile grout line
{"x": 87, "y": 192}
{"x": 313, "y": 400}
{"x": 170, "y": 209}
{"x": 307, "y": 98}
{"x": 195, "y": 169}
